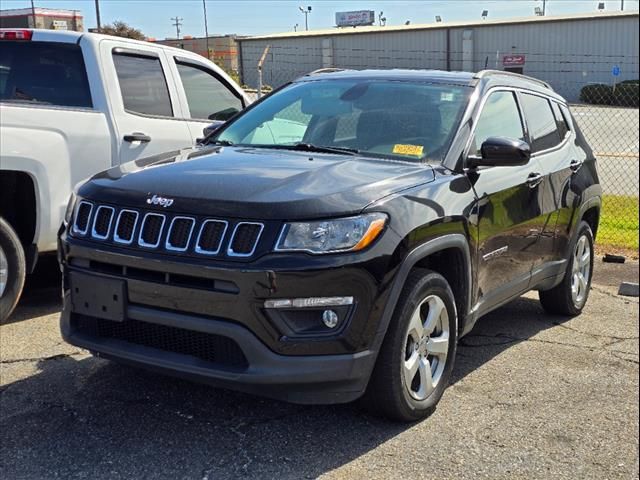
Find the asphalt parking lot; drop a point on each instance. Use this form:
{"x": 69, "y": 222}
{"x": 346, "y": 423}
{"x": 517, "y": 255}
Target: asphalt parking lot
{"x": 533, "y": 396}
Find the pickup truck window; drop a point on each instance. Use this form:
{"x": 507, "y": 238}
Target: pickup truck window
{"x": 143, "y": 85}
{"x": 45, "y": 73}
{"x": 541, "y": 121}
{"x": 207, "y": 96}
{"x": 500, "y": 117}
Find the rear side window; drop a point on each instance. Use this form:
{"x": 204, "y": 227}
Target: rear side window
{"x": 207, "y": 96}
{"x": 143, "y": 85}
{"x": 500, "y": 117}
{"x": 45, "y": 73}
{"x": 541, "y": 121}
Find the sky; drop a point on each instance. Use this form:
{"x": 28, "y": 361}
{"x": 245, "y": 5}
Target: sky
{"x": 258, "y": 17}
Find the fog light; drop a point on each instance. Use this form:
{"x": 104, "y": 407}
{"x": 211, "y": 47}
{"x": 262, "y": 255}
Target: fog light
{"x": 330, "y": 318}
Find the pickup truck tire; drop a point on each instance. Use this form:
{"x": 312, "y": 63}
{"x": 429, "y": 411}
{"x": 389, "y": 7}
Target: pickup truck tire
{"x": 416, "y": 358}
{"x": 12, "y": 270}
{"x": 570, "y": 296}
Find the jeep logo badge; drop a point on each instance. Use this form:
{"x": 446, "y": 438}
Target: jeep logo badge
{"x": 163, "y": 202}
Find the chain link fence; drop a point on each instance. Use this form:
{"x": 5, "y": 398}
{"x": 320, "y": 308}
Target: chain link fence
{"x": 605, "y": 109}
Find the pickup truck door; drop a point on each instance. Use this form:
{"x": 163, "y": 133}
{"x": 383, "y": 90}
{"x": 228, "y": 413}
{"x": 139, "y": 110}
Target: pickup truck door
{"x": 147, "y": 114}
{"x": 207, "y": 95}
{"x": 508, "y": 209}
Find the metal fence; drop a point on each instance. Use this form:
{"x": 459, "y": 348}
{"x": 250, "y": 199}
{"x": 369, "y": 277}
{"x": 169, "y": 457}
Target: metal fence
{"x": 605, "y": 108}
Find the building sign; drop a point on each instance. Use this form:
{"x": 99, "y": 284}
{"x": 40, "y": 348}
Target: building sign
{"x": 513, "y": 60}
{"x": 59, "y": 25}
{"x": 352, "y": 19}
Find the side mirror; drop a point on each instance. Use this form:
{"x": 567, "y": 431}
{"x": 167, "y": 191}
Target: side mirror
{"x": 501, "y": 152}
{"x": 212, "y": 127}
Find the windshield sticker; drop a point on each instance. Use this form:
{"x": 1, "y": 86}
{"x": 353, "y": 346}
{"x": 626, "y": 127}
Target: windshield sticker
{"x": 401, "y": 149}
{"x": 447, "y": 97}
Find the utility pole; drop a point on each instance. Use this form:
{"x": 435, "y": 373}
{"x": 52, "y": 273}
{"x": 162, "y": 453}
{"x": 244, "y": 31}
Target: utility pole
{"x": 177, "y": 22}
{"x": 33, "y": 14}
{"x": 98, "y": 15}
{"x": 544, "y": 7}
{"x": 206, "y": 28}
{"x": 622, "y": 5}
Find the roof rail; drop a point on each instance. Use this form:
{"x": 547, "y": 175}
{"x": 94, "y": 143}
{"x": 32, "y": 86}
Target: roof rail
{"x": 327, "y": 70}
{"x": 486, "y": 73}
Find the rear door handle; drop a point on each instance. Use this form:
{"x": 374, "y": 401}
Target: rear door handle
{"x": 575, "y": 165}
{"x": 534, "y": 179}
{"x": 137, "y": 137}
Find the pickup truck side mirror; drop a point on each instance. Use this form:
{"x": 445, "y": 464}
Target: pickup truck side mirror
{"x": 212, "y": 127}
{"x": 501, "y": 152}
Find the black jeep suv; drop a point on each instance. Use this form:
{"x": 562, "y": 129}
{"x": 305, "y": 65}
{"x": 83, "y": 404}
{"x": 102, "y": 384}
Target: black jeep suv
{"x": 338, "y": 237}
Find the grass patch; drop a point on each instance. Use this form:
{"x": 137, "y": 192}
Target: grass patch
{"x": 619, "y": 222}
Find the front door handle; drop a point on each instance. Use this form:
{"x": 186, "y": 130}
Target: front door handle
{"x": 137, "y": 137}
{"x": 575, "y": 165}
{"x": 534, "y": 179}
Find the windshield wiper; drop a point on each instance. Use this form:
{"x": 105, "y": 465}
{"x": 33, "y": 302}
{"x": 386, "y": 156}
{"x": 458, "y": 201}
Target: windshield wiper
{"x": 310, "y": 147}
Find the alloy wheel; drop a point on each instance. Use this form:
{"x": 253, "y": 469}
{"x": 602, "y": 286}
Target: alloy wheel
{"x": 4, "y": 272}
{"x": 581, "y": 270}
{"x": 426, "y": 347}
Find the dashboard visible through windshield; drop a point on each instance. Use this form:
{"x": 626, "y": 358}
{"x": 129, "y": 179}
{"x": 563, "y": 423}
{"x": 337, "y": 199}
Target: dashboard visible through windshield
{"x": 379, "y": 118}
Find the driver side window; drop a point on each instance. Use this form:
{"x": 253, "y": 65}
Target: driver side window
{"x": 208, "y": 98}
{"x": 500, "y": 117}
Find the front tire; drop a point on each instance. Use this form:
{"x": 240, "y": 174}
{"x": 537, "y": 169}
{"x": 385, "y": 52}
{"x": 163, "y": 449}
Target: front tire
{"x": 570, "y": 296}
{"x": 12, "y": 270}
{"x": 416, "y": 358}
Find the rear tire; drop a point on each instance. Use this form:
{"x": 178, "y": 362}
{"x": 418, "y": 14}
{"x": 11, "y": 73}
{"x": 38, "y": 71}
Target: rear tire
{"x": 416, "y": 358}
{"x": 12, "y": 270}
{"x": 570, "y": 296}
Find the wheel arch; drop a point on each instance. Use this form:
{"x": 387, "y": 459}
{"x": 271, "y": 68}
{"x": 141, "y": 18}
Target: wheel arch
{"x": 448, "y": 255}
{"x": 18, "y": 204}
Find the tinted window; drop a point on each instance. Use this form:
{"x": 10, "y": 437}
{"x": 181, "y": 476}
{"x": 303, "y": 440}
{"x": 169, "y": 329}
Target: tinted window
{"x": 541, "y": 122}
{"x": 143, "y": 85}
{"x": 500, "y": 117}
{"x": 561, "y": 122}
{"x": 45, "y": 73}
{"x": 379, "y": 118}
{"x": 208, "y": 97}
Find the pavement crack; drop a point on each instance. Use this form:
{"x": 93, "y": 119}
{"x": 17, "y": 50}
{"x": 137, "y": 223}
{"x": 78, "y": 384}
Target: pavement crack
{"x": 42, "y": 359}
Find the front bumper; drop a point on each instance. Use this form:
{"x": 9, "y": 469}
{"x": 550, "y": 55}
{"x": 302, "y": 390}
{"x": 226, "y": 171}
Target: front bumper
{"x": 313, "y": 379}
{"x": 229, "y": 304}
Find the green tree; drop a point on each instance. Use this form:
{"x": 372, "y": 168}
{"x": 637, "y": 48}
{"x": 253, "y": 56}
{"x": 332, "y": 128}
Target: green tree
{"x": 121, "y": 29}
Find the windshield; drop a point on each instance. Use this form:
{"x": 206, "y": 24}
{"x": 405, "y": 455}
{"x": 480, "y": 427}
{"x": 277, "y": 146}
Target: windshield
{"x": 380, "y": 118}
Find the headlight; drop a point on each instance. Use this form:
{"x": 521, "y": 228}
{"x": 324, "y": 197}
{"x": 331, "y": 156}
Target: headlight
{"x": 330, "y": 236}
{"x": 70, "y": 206}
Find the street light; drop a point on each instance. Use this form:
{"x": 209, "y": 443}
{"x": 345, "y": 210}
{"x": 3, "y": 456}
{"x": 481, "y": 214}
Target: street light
{"x": 306, "y": 12}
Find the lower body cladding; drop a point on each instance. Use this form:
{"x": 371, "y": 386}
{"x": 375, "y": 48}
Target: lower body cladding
{"x": 309, "y": 341}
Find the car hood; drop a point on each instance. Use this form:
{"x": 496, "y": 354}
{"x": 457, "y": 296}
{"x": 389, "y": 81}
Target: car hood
{"x": 255, "y": 183}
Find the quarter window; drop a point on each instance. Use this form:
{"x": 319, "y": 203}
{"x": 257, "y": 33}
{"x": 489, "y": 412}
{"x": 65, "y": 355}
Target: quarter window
{"x": 500, "y": 117}
{"x": 207, "y": 96}
{"x": 44, "y": 73}
{"x": 541, "y": 121}
{"x": 143, "y": 85}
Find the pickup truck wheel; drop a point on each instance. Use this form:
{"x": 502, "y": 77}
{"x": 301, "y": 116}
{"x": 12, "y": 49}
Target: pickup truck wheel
{"x": 570, "y": 296}
{"x": 416, "y": 359}
{"x": 12, "y": 270}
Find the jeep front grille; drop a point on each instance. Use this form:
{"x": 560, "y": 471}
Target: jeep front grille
{"x": 151, "y": 230}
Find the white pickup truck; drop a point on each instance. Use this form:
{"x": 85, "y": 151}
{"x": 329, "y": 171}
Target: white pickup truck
{"x": 73, "y": 104}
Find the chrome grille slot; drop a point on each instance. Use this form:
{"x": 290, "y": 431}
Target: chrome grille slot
{"x": 83, "y": 215}
{"x": 102, "y": 222}
{"x": 125, "y": 226}
{"x": 211, "y": 236}
{"x": 180, "y": 232}
{"x": 245, "y": 239}
{"x": 151, "y": 230}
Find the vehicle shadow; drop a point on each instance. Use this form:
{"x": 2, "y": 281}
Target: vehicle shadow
{"x": 81, "y": 416}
